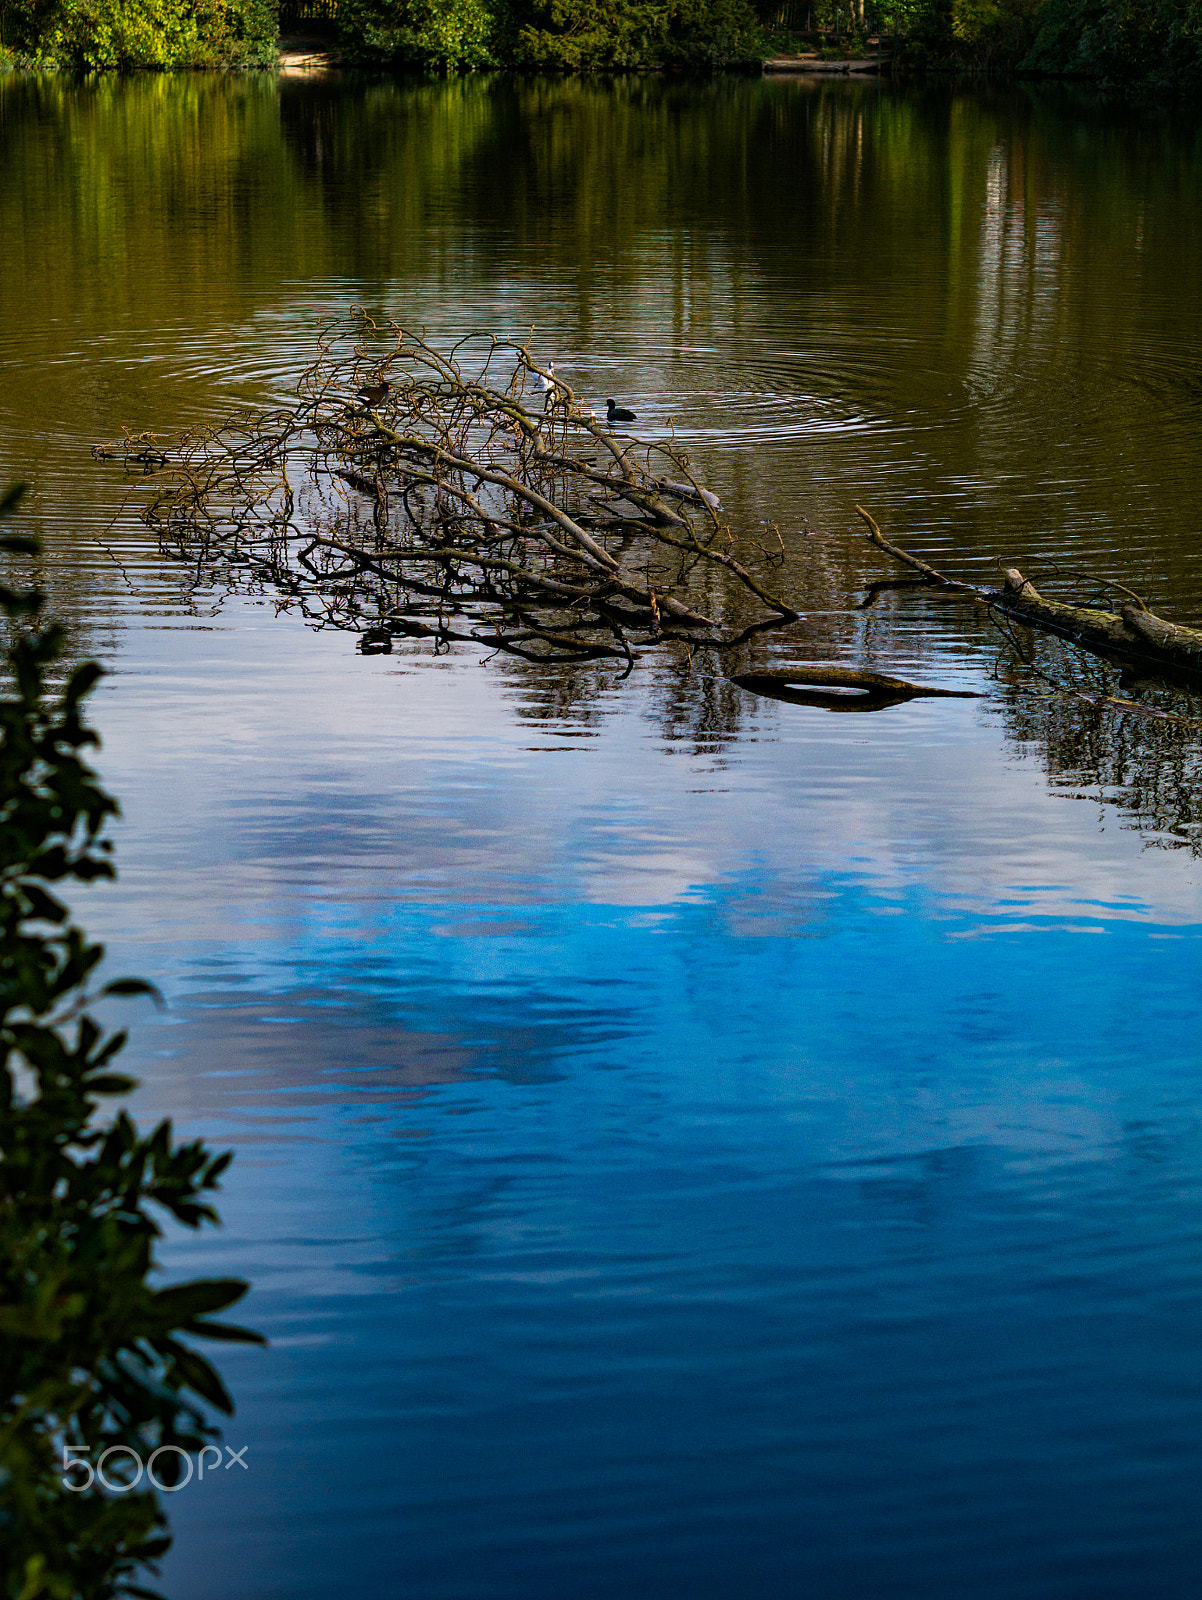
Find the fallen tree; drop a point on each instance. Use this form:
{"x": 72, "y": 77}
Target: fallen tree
{"x": 1130, "y": 632}
{"x": 469, "y": 497}
{"x": 466, "y": 497}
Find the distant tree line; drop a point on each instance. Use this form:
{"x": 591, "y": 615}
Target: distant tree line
{"x": 1153, "y": 43}
{"x": 1146, "y": 43}
{"x": 440, "y": 35}
{"x": 557, "y": 35}
{"x": 98, "y": 34}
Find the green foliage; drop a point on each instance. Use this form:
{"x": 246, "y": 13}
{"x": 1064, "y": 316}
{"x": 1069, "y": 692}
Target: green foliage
{"x": 1141, "y": 43}
{"x": 239, "y": 33}
{"x": 121, "y": 33}
{"x": 592, "y": 35}
{"x": 430, "y": 35}
{"x": 587, "y": 35}
{"x": 91, "y": 1354}
{"x": 988, "y": 34}
{"x": 996, "y": 31}
{"x": 92, "y": 34}
{"x": 549, "y": 35}
{"x": 713, "y": 33}
{"x": 1150, "y": 43}
{"x": 929, "y": 39}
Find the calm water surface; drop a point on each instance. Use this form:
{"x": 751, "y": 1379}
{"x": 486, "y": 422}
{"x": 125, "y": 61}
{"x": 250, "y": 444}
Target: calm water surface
{"x": 688, "y": 1145}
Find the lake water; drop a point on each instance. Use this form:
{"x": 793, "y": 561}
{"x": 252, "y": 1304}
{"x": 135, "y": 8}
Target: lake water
{"x": 688, "y": 1144}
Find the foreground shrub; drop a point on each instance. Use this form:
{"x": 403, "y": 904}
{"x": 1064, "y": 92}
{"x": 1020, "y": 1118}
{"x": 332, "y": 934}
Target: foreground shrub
{"x": 588, "y": 35}
{"x": 714, "y": 33}
{"x": 91, "y": 1355}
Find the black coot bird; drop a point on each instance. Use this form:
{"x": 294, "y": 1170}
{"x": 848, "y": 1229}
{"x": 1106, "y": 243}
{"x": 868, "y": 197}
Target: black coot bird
{"x": 374, "y": 394}
{"x": 617, "y": 413}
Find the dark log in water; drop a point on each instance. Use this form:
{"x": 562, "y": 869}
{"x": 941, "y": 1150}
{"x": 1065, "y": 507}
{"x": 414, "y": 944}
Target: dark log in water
{"x": 1131, "y": 633}
{"x": 841, "y": 688}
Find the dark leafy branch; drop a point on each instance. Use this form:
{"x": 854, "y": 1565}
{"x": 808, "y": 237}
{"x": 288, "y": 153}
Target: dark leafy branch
{"x": 92, "y": 1355}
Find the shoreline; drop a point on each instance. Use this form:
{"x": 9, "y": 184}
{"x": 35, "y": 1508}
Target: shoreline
{"x": 816, "y": 66}
{"x": 303, "y": 55}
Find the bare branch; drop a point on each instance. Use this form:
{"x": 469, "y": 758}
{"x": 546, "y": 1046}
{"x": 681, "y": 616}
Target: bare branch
{"x": 404, "y": 479}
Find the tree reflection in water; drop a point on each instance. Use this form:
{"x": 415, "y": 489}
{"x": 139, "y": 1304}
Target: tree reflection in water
{"x": 1147, "y": 763}
{"x": 1144, "y": 757}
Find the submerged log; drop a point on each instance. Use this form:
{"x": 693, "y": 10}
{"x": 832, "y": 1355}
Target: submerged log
{"x": 829, "y": 688}
{"x": 1131, "y": 630}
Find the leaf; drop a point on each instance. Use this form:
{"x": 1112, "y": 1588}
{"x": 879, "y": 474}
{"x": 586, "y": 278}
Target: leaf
{"x": 183, "y": 1301}
{"x": 44, "y": 905}
{"x": 10, "y": 499}
{"x": 83, "y": 679}
{"x": 134, "y": 986}
{"x": 196, "y": 1372}
{"x": 20, "y": 605}
{"x": 187, "y": 1211}
{"x": 85, "y": 1340}
{"x": 17, "y": 544}
{"x": 111, "y": 1083}
{"x": 228, "y": 1331}
{"x": 216, "y": 1167}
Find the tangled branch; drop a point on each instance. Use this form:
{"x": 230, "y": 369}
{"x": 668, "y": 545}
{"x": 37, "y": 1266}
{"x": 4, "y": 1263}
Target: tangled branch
{"x": 458, "y": 497}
